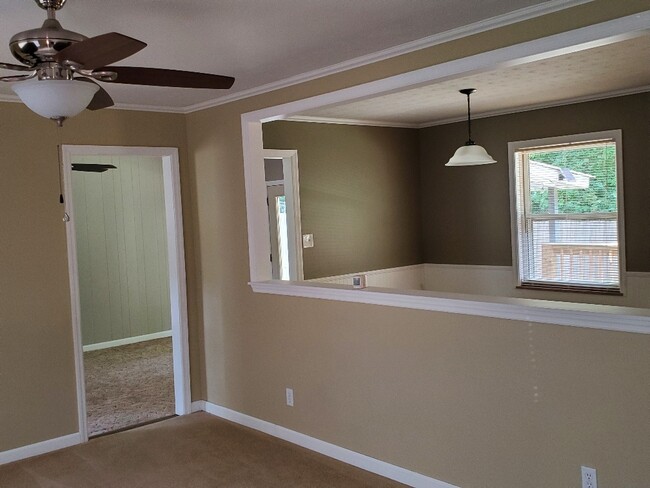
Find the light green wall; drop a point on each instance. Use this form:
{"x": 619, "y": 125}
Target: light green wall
{"x": 121, "y": 248}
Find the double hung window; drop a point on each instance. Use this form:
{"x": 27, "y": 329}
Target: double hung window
{"x": 567, "y": 216}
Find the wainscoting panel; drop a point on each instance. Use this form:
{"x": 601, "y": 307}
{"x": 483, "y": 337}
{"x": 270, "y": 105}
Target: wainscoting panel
{"x": 402, "y": 278}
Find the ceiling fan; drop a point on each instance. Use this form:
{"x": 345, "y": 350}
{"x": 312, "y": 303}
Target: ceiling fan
{"x": 60, "y": 68}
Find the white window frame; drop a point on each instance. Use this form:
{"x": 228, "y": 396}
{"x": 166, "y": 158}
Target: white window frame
{"x": 513, "y": 147}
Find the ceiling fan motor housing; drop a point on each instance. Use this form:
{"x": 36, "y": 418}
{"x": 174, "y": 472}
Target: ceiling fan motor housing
{"x": 41, "y": 45}
{"x": 50, "y": 4}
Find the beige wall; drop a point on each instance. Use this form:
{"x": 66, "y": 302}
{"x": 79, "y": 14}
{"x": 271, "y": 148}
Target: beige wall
{"x": 466, "y": 211}
{"x": 450, "y": 396}
{"x": 37, "y": 379}
{"x": 358, "y": 194}
{"x": 121, "y": 248}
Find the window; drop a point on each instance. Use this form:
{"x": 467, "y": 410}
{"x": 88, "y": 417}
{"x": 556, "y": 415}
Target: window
{"x": 567, "y": 225}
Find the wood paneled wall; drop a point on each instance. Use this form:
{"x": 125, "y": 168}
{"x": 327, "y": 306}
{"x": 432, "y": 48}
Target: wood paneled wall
{"x": 121, "y": 248}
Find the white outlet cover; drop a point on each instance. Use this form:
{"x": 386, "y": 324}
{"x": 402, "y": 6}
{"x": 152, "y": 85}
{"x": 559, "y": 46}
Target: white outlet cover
{"x": 589, "y": 479}
{"x": 307, "y": 240}
{"x": 289, "y": 397}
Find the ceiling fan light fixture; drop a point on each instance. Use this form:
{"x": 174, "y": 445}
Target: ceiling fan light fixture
{"x": 55, "y": 99}
{"x": 471, "y": 154}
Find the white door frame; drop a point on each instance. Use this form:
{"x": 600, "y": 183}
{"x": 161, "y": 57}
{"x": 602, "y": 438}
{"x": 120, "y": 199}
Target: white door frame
{"x": 176, "y": 260}
{"x": 291, "y": 183}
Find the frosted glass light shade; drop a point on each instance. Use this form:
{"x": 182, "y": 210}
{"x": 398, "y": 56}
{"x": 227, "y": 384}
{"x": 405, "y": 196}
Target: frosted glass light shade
{"x": 470, "y": 155}
{"x": 55, "y": 98}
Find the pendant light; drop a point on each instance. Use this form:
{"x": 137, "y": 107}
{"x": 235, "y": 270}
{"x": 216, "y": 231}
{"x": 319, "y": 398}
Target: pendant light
{"x": 471, "y": 154}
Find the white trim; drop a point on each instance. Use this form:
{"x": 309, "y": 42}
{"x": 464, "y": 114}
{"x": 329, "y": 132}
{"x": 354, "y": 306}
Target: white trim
{"x": 580, "y": 315}
{"x": 176, "y": 257}
{"x": 638, "y": 274}
{"x": 40, "y": 448}
{"x": 483, "y": 115}
{"x": 177, "y": 280}
{"x": 540, "y": 106}
{"x": 75, "y": 305}
{"x": 567, "y": 42}
{"x": 604, "y": 317}
{"x": 514, "y": 146}
{"x": 275, "y": 183}
{"x": 291, "y": 184}
{"x": 10, "y": 99}
{"x": 127, "y": 340}
{"x": 426, "y": 42}
{"x": 367, "y": 463}
{"x": 499, "y": 21}
{"x": 362, "y": 122}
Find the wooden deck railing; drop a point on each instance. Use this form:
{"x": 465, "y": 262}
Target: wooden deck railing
{"x": 580, "y": 262}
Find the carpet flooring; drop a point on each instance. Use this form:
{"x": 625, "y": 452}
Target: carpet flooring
{"x": 129, "y": 385}
{"x": 192, "y": 451}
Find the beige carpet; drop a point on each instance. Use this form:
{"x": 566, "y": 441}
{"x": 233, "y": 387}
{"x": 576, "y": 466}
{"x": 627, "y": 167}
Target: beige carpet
{"x": 129, "y": 385}
{"x": 193, "y": 451}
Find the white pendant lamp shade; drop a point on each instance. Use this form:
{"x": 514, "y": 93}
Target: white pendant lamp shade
{"x": 470, "y": 155}
{"x": 56, "y": 99}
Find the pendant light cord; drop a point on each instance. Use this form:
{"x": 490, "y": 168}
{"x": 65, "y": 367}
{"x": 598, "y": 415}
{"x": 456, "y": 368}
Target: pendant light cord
{"x": 469, "y": 122}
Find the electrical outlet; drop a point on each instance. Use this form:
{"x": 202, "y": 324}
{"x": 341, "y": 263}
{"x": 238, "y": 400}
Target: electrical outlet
{"x": 589, "y": 479}
{"x": 290, "y": 398}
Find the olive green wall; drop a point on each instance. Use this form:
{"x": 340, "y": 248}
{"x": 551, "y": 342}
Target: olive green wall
{"x": 359, "y": 194}
{"x": 360, "y": 190}
{"x": 37, "y": 374}
{"x": 476, "y": 402}
{"x": 466, "y": 210}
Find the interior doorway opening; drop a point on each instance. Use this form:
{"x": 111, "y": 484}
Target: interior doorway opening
{"x": 283, "y": 206}
{"x": 127, "y": 280}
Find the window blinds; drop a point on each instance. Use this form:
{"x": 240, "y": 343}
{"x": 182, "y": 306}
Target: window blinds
{"x": 567, "y": 215}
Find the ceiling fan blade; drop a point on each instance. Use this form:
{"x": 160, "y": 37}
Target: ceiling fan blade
{"x": 16, "y": 67}
{"x": 101, "y": 99}
{"x": 92, "y": 168}
{"x": 168, "y": 77}
{"x": 100, "y": 50}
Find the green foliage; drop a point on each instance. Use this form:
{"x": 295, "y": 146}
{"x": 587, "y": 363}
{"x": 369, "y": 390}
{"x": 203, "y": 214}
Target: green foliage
{"x": 600, "y": 196}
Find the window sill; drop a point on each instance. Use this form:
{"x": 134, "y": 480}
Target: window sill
{"x": 604, "y": 317}
{"x": 590, "y": 290}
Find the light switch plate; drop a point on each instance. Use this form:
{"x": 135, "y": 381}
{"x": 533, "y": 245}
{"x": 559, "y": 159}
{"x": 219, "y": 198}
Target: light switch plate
{"x": 307, "y": 240}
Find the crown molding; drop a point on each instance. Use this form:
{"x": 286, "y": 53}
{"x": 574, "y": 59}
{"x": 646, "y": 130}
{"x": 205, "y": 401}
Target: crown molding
{"x": 463, "y": 118}
{"x": 10, "y": 99}
{"x": 539, "y": 106}
{"x": 371, "y": 123}
{"x": 149, "y": 108}
{"x": 514, "y": 17}
{"x": 426, "y": 42}
{"x": 117, "y": 106}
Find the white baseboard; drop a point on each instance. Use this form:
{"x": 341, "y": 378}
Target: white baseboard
{"x": 39, "y": 448}
{"x": 127, "y": 340}
{"x": 362, "y": 461}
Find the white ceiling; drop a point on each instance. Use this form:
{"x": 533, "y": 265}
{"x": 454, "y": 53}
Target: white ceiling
{"x": 256, "y": 41}
{"x": 616, "y": 68}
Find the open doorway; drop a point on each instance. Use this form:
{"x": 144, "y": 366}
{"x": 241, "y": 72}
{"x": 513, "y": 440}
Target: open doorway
{"x": 127, "y": 279}
{"x": 283, "y": 203}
